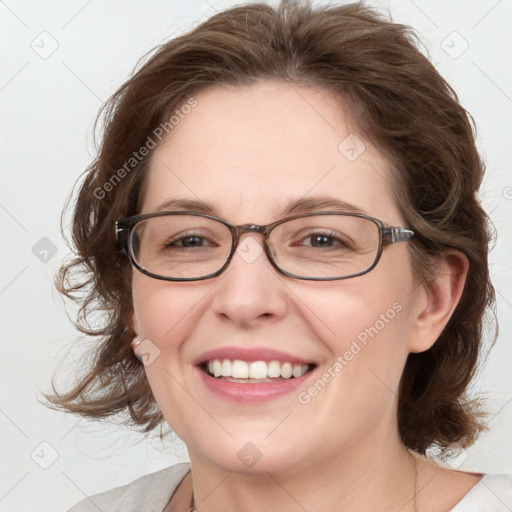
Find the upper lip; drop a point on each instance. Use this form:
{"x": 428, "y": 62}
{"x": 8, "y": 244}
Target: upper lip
{"x": 249, "y": 355}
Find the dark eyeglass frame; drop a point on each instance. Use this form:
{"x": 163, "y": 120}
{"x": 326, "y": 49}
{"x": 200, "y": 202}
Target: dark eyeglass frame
{"x": 124, "y": 227}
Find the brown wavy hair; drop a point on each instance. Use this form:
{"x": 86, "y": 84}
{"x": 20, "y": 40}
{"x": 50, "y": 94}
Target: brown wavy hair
{"x": 398, "y": 101}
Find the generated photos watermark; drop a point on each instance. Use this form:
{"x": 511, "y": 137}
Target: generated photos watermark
{"x": 151, "y": 142}
{"x": 343, "y": 360}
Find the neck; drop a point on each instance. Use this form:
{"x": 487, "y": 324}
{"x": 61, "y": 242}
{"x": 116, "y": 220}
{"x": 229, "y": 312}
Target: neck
{"x": 357, "y": 478}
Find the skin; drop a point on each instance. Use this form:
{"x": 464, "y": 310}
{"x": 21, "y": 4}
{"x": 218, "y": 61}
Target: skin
{"x": 249, "y": 151}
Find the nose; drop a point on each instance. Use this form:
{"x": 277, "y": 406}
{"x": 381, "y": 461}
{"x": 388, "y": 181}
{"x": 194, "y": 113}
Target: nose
{"x": 251, "y": 290}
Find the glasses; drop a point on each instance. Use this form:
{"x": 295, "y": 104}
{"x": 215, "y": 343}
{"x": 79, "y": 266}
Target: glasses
{"x": 324, "y": 246}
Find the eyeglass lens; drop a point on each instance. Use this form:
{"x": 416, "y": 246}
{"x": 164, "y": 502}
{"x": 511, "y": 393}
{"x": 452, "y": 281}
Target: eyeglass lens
{"x": 190, "y": 246}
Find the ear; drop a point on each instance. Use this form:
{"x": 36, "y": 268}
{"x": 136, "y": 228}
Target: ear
{"x": 437, "y": 299}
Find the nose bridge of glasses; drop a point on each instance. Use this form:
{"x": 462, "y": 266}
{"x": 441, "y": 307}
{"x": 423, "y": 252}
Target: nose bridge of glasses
{"x": 238, "y": 231}
{"x": 249, "y": 228}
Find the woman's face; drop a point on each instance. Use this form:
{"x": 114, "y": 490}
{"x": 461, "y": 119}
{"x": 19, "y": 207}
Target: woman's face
{"x": 249, "y": 152}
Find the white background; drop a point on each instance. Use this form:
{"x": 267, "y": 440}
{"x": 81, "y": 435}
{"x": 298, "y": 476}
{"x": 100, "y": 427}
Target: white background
{"x": 47, "y": 110}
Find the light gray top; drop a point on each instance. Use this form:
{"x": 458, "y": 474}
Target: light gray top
{"x": 151, "y": 493}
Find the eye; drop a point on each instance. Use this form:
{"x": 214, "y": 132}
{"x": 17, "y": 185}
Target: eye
{"x": 321, "y": 240}
{"x": 188, "y": 241}
{"x": 325, "y": 240}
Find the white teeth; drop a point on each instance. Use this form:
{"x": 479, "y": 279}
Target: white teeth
{"x": 297, "y": 370}
{"x": 286, "y": 370}
{"x": 258, "y": 370}
{"x": 217, "y": 368}
{"x": 226, "y": 368}
{"x": 274, "y": 369}
{"x": 238, "y": 369}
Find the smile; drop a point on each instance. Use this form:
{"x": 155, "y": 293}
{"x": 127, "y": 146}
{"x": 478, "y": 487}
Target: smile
{"x": 251, "y": 375}
{"x": 254, "y": 371}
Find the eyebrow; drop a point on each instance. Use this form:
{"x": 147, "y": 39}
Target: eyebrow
{"x": 294, "y": 207}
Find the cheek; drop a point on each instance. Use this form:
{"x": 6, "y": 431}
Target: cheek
{"x": 370, "y": 322}
{"x": 371, "y": 338}
{"x": 162, "y": 318}
{"x": 363, "y": 308}
{"x": 358, "y": 387}
{"x": 161, "y": 309}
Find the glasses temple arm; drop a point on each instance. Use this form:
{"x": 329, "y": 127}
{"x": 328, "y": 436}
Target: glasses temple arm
{"x": 394, "y": 235}
{"x": 121, "y": 238}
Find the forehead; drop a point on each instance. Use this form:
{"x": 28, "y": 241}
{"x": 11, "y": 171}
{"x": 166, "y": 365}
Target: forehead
{"x": 250, "y": 151}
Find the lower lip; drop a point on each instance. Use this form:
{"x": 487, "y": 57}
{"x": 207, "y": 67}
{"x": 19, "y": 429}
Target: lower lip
{"x": 252, "y": 391}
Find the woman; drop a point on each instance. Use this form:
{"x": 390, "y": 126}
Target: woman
{"x": 282, "y": 226}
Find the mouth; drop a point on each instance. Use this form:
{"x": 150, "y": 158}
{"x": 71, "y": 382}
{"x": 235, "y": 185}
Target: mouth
{"x": 254, "y": 372}
{"x": 252, "y": 375}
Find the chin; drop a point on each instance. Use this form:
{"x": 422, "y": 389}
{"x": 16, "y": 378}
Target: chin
{"x": 248, "y": 455}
